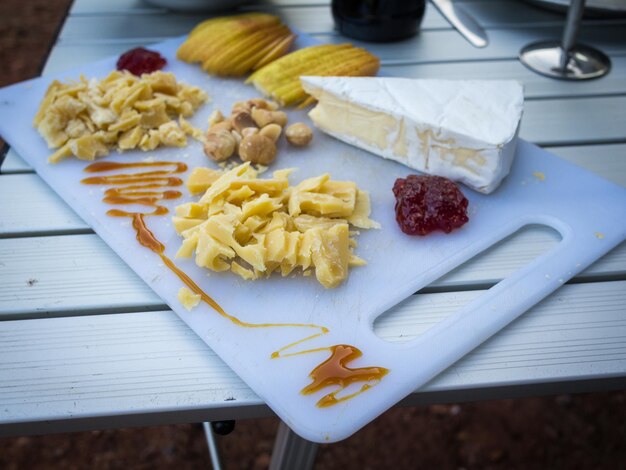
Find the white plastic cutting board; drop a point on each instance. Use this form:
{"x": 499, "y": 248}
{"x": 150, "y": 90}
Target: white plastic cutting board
{"x": 589, "y": 213}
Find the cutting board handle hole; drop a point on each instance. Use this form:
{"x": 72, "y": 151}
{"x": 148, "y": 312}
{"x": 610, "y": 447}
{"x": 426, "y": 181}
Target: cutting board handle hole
{"x": 448, "y": 294}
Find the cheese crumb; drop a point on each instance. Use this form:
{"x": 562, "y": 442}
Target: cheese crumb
{"x": 188, "y": 298}
{"x": 260, "y": 169}
{"x": 539, "y": 175}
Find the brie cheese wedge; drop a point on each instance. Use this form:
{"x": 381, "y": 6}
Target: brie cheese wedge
{"x": 465, "y": 130}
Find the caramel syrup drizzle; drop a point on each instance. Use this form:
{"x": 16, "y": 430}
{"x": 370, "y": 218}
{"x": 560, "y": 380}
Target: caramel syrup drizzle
{"x": 334, "y": 371}
{"x": 137, "y": 188}
{"x": 146, "y": 188}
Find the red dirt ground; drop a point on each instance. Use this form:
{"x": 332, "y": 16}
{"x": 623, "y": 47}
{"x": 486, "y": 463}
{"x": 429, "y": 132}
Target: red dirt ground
{"x": 559, "y": 432}
{"x": 563, "y": 432}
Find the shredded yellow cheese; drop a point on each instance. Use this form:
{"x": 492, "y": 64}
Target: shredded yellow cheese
{"x": 254, "y": 227}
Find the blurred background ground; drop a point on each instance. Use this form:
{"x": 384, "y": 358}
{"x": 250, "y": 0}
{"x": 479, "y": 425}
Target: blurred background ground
{"x": 557, "y": 432}
{"x": 562, "y": 432}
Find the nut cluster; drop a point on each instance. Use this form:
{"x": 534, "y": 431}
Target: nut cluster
{"x": 252, "y": 131}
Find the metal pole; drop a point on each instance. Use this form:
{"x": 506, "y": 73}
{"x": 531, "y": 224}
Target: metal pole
{"x": 291, "y": 451}
{"x": 213, "y": 452}
{"x": 570, "y": 32}
{"x": 566, "y": 59}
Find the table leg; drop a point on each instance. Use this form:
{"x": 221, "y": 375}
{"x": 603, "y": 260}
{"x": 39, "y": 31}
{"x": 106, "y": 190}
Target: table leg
{"x": 213, "y": 452}
{"x": 291, "y": 451}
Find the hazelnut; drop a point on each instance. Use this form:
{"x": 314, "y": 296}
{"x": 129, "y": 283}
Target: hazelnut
{"x": 249, "y": 131}
{"x": 299, "y": 134}
{"x": 241, "y": 107}
{"x": 215, "y": 117}
{"x": 262, "y": 104}
{"x": 225, "y": 125}
{"x": 272, "y": 131}
{"x": 272, "y": 105}
{"x": 258, "y": 103}
{"x": 219, "y": 145}
{"x": 237, "y": 136}
{"x": 242, "y": 121}
{"x": 257, "y": 149}
{"x": 263, "y": 117}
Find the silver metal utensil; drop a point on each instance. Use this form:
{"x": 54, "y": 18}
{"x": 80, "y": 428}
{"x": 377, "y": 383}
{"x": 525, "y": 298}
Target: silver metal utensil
{"x": 463, "y": 22}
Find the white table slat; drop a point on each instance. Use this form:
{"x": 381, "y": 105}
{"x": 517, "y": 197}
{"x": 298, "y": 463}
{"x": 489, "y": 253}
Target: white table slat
{"x": 68, "y": 56}
{"x": 575, "y": 121}
{"x": 108, "y": 369}
{"x": 489, "y": 13}
{"x": 311, "y": 20}
{"x": 436, "y": 42}
{"x": 28, "y": 202}
{"x": 13, "y": 163}
{"x": 509, "y": 14}
{"x": 450, "y": 46}
{"x": 535, "y": 85}
{"x": 74, "y": 275}
{"x": 71, "y": 275}
{"x": 98, "y": 7}
{"x": 126, "y": 7}
{"x": 125, "y": 363}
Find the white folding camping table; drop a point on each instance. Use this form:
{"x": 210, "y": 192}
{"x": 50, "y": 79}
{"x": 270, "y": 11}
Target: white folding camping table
{"x": 82, "y": 337}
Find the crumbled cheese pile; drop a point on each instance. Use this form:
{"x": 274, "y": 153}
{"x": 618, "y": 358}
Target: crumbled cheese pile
{"x": 255, "y": 227}
{"x": 88, "y": 118}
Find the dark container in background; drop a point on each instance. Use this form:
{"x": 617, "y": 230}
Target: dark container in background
{"x": 378, "y": 20}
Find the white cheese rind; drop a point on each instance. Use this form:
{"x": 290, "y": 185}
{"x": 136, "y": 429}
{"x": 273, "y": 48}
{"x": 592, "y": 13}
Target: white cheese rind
{"x": 465, "y": 130}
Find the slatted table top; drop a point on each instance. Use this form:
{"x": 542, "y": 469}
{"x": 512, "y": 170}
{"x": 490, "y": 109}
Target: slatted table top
{"x": 85, "y": 344}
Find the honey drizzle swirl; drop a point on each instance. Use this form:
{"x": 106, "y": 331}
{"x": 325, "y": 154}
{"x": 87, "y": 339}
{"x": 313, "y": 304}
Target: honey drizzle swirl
{"x": 132, "y": 189}
{"x": 146, "y": 238}
{"x": 99, "y": 167}
{"x": 334, "y": 371}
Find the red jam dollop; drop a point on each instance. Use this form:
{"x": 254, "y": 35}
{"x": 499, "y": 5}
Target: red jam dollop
{"x": 428, "y": 203}
{"x": 140, "y": 60}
